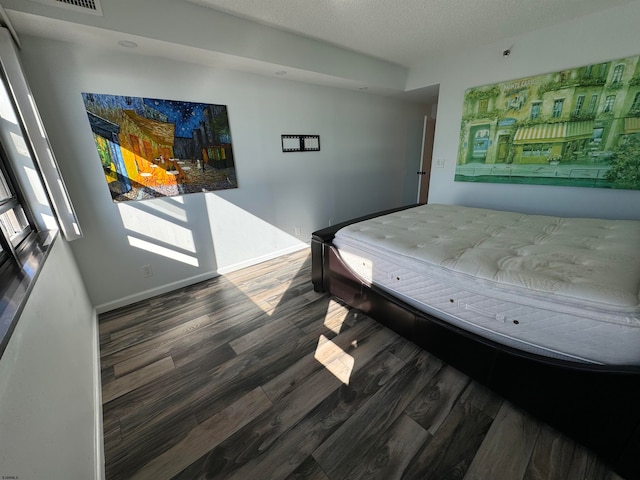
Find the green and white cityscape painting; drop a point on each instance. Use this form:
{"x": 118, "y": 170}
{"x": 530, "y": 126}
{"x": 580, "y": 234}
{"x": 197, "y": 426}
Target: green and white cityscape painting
{"x": 576, "y": 127}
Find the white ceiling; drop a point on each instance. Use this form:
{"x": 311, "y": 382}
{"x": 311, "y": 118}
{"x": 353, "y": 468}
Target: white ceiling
{"x": 407, "y": 31}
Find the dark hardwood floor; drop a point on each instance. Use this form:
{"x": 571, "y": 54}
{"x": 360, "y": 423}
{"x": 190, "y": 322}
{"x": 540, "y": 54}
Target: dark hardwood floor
{"x": 253, "y": 375}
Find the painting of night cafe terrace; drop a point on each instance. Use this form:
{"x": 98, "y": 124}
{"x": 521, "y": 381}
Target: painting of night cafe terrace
{"x": 152, "y": 148}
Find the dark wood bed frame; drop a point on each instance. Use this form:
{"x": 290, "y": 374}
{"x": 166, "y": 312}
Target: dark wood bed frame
{"x": 597, "y": 406}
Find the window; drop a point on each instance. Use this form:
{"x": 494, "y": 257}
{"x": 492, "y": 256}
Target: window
{"x": 480, "y": 144}
{"x": 26, "y": 234}
{"x": 587, "y": 71}
{"x": 617, "y": 73}
{"x": 602, "y": 70}
{"x": 535, "y": 110}
{"x": 592, "y": 104}
{"x": 596, "y": 137}
{"x": 608, "y": 103}
{"x": 579, "y": 104}
{"x": 42, "y": 156}
{"x": 557, "y": 108}
{"x": 536, "y": 150}
{"x": 483, "y": 106}
{"x": 636, "y": 102}
{"x": 14, "y": 223}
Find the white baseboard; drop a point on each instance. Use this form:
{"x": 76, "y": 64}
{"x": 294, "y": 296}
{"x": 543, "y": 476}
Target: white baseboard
{"x": 152, "y": 292}
{"x": 262, "y": 258}
{"x": 97, "y": 398}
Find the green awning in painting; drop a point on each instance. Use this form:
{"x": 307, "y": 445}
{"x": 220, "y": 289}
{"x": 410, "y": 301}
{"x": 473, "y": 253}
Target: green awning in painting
{"x": 560, "y": 131}
{"x": 631, "y": 125}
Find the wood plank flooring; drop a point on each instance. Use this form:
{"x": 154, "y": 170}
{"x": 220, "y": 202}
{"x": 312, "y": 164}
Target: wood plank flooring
{"x": 253, "y": 375}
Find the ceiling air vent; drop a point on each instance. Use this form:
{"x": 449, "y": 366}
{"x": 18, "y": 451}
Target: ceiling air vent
{"x": 85, "y": 6}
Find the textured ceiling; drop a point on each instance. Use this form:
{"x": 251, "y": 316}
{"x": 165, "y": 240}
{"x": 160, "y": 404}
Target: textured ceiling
{"x": 407, "y": 31}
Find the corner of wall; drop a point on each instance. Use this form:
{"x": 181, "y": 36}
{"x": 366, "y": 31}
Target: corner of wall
{"x": 97, "y": 386}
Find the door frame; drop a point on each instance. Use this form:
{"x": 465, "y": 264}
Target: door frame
{"x": 424, "y": 174}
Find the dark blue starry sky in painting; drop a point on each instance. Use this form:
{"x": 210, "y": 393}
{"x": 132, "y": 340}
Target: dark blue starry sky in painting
{"x": 185, "y": 115}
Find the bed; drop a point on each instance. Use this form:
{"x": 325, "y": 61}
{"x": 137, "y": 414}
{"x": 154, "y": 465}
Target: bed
{"x": 544, "y": 310}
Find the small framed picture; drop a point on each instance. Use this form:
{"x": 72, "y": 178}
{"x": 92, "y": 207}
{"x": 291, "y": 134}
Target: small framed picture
{"x": 300, "y": 143}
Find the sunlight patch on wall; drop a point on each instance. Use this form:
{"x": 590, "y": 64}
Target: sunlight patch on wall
{"x": 167, "y": 207}
{"x": 49, "y": 222}
{"x": 241, "y": 239}
{"x": 36, "y": 186}
{"x": 67, "y": 203}
{"x": 151, "y": 226}
{"x": 238, "y": 234}
{"x": 165, "y": 252}
{"x": 6, "y": 109}
{"x": 334, "y": 359}
{"x": 21, "y": 146}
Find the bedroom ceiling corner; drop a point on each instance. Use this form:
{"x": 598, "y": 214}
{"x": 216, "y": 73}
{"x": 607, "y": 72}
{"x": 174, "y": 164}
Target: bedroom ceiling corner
{"x": 408, "y": 32}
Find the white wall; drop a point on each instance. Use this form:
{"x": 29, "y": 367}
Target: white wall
{"x": 607, "y": 35}
{"x": 49, "y": 389}
{"x": 370, "y": 150}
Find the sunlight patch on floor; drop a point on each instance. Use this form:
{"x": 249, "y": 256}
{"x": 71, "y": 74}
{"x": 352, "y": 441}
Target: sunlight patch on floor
{"x": 269, "y": 299}
{"x": 266, "y": 301}
{"x": 334, "y": 359}
{"x": 336, "y": 316}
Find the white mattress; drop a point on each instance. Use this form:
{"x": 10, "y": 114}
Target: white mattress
{"x": 561, "y": 287}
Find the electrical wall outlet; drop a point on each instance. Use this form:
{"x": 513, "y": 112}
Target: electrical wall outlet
{"x": 298, "y": 231}
{"x": 146, "y": 271}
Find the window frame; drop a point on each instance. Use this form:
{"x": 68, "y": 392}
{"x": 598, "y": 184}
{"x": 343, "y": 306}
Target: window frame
{"x": 603, "y": 70}
{"x": 597, "y": 135}
{"x": 483, "y": 106}
{"x": 588, "y": 70}
{"x": 593, "y": 104}
{"x": 618, "y": 72}
{"x": 536, "y": 109}
{"x": 558, "y": 107}
{"x": 36, "y": 139}
{"x": 609, "y": 102}
{"x": 635, "y": 105}
{"x": 23, "y": 255}
{"x": 16, "y": 200}
{"x": 579, "y": 104}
